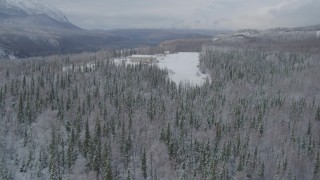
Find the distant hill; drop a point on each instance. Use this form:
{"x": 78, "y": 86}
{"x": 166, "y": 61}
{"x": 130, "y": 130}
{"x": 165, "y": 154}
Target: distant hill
{"x": 31, "y": 28}
{"x": 299, "y": 38}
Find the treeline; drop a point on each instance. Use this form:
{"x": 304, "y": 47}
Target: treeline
{"x": 87, "y": 118}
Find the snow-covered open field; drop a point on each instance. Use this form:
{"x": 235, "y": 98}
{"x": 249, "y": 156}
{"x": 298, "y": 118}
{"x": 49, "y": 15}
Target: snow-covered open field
{"x": 182, "y": 67}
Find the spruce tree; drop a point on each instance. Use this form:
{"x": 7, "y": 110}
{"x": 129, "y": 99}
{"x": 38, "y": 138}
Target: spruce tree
{"x": 20, "y": 110}
{"x": 70, "y": 151}
{"x": 261, "y": 170}
{"x": 144, "y": 164}
{"x": 86, "y": 143}
{"x": 28, "y": 112}
{"x": 4, "y": 173}
{"x": 316, "y": 164}
{"x": 107, "y": 168}
{"x": 318, "y": 114}
{"x": 53, "y": 172}
{"x": 97, "y": 148}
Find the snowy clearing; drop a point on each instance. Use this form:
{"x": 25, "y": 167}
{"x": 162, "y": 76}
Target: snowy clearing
{"x": 182, "y": 66}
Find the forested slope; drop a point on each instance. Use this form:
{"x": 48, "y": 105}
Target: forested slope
{"x": 258, "y": 118}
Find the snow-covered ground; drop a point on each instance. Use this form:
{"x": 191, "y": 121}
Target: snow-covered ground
{"x": 124, "y": 60}
{"x": 182, "y": 67}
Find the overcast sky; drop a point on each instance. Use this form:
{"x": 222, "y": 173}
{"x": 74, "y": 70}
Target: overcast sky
{"x": 200, "y": 14}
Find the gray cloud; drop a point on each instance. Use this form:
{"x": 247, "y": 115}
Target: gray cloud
{"x": 299, "y": 14}
{"x": 111, "y": 14}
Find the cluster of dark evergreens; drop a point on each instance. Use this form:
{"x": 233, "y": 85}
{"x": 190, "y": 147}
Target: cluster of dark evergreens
{"x": 258, "y": 117}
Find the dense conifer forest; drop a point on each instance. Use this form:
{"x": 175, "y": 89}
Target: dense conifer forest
{"x": 84, "y": 117}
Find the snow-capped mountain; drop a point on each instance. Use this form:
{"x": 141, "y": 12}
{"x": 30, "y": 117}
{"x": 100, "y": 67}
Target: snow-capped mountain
{"x": 30, "y": 7}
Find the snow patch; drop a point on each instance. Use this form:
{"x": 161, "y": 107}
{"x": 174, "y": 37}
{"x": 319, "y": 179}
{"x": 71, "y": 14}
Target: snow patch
{"x": 12, "y": 56}
{"x": 53, "y": 42}
{"x": 184, "y": 68}
{"x": 83, "y": 68}
{"x": 2, "y": 53}
{"x": 120, "y": 61}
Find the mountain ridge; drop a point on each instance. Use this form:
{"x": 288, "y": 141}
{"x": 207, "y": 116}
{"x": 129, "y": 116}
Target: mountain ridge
{"x": 306, "y": 38}
{"x": 31, "y": 7}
